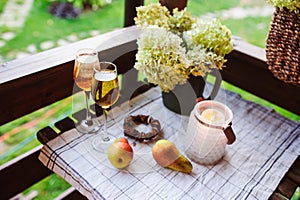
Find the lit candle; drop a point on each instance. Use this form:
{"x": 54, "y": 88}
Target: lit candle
{"x": 213, "y": 116}
{"x": 206, "y": 138}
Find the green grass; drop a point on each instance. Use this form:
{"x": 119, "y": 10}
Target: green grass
{"x": 252, "y": 29}
{"x": 199, "y": 7}
{"x": 41, "y": 26}
{"x": 2, "y": 4}
{"x": 49, "y": 188}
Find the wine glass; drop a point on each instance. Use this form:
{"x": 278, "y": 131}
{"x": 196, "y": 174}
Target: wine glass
{"x": 86, "y": 60}
{"x": 105, "y": 92}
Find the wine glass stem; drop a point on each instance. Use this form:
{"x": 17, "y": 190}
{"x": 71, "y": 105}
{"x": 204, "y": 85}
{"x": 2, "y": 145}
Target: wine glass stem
{"x": 88, "y": 114}
{"x": 105, "y": 136}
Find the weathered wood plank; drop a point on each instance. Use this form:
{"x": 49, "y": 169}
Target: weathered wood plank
{"x": 171, "y": 4}
{"x": 46, "y": 134}
{"x": 20, "y": 173}
{"x": 65, "y": 124}
{"x": 277, "y": 196}
{"x": 294, "y": 172}
{"x": 247, "y": 69}
{"x": 35, "y": 91}
{"x": 287, "y": 187}
{"x": 57, "y": 56}
{"x": 130, "y": 11}
{"x": 289, "y": 182}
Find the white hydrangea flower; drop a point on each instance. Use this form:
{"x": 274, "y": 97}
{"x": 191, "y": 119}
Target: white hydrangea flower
{"x": 152, "y": 14}
{"x": 211, "y": 35}
{"x": 161, "y": 57}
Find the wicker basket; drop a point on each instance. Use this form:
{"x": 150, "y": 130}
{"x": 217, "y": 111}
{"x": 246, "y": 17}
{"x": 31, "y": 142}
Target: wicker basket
{"x": 283, "y": 46}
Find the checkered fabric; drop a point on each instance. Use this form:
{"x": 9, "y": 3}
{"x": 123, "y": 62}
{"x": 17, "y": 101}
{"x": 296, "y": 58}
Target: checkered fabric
{"x": 266, "y": 146}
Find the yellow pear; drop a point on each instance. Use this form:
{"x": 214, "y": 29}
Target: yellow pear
{"x": 167, "y": 155}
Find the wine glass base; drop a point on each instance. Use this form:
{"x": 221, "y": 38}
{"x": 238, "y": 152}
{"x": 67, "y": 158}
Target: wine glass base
{"x": 91, "y": 126}
{"x": 101, "y": 143}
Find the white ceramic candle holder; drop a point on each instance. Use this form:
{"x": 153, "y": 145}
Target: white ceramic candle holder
{"x": 209, "y": 131}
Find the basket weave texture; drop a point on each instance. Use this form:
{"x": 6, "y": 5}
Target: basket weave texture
{"x": 283, "y": 46}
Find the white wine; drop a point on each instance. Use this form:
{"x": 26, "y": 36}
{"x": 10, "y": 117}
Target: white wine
{"x": 83, "y": 70}
{"x": 105, "y": 92}
{"x": 105, "y": 88}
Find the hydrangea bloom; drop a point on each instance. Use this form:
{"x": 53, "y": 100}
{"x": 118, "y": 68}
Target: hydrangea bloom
{"x": 201, "y": 62}
{"x": 173, "y": 47}
{"x": 161, "y": 60}
{"x": 211, "y": 35}
{"x": 181, "y": 21}
{"x": 153, "y": 14}
{"x": 293, "y": 5}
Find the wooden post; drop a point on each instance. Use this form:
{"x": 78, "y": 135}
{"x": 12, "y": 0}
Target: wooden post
{"x": 129, "y": 79}
{"x": 130, "y": 11}
{"x": 171, "y": 4}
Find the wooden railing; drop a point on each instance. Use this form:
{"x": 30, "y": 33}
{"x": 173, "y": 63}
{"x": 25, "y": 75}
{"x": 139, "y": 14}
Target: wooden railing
{"x": 37, "y": 81}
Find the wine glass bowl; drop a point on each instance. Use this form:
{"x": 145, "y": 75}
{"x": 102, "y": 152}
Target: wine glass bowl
{"x": 85, "y": 61}
{"x": 105, "y": 92}
{"x": 83, "y": 69}
{"x": 105, "y": 87}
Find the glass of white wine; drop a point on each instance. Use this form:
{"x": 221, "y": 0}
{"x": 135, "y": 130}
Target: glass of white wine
{"x": 86, "y": 60}
{"x": 105, "y": 92}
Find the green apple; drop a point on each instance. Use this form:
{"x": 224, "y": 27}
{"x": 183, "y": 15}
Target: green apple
{"x": 120, "y": 153}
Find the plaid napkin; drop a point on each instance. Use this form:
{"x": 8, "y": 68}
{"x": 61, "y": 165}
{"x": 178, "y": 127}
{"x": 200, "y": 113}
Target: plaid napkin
{"x": 266, "y": 146}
